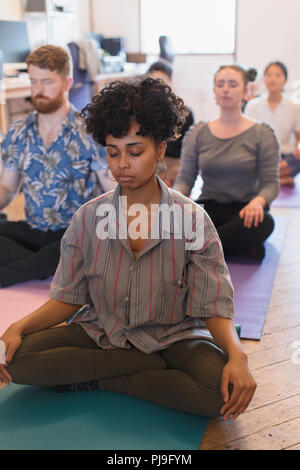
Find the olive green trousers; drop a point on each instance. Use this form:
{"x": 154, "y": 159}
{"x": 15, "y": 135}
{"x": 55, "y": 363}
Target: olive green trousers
{"x": 186, "y": 376}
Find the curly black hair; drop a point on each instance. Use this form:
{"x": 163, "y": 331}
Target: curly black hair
{"x": 151, "y": 103}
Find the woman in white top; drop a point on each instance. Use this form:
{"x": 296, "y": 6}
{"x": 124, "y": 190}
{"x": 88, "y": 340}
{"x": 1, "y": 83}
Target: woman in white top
{"x": 283, "y": 116}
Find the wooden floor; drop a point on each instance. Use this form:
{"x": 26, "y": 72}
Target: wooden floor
{"x": 272, "y": 420}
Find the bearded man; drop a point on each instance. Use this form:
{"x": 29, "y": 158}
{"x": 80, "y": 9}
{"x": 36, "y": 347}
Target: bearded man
{"x": 57, "y": 165}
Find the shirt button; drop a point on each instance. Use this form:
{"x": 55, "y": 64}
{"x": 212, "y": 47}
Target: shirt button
{"x": 126, "y": 299}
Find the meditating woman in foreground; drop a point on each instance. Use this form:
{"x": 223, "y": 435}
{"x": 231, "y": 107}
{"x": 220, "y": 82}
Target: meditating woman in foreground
{"x": 238, "y": 160}
{"x": 148, "y": 286}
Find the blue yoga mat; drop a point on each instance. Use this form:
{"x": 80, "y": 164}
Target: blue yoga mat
{"x": 33, "y": 418}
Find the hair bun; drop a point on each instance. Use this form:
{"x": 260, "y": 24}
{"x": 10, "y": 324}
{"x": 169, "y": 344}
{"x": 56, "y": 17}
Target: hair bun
{"x": 251, "y": 74}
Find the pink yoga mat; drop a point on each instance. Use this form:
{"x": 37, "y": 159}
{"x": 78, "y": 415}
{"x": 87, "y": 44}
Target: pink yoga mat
{"x": 253, "y": 283}
{"x": 288, "y": 197}
{"x": 20, "y": 300}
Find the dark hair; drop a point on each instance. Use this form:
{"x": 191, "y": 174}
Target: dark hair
{"x": 52, "y": 58}
{"x": 251, "y": 74}
{"x": 280, "y": 65}
{"x": 161, "y": 66}
{"x": 236, "y": 67}
{"x": 151, "y": 103}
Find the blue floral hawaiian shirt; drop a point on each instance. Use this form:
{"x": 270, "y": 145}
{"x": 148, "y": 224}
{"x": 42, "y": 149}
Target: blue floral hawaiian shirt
{"x": 56, "y": 180}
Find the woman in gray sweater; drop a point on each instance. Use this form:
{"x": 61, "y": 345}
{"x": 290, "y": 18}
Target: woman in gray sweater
{"x": 238, "y": 159}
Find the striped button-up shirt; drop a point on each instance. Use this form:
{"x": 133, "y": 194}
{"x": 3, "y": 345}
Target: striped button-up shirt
{"x": 151, "y": 300}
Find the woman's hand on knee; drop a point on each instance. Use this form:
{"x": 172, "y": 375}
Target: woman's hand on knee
{"x": 253, "y": 213}
{"x": 237, "y": 374}
{"x": 12, "y": 341}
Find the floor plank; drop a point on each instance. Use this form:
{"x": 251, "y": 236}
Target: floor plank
{"x": 296, "y": 447}
{"x": 272, "y": 340}
{"x": 279, "y": 437}
{"x": 272, "y": 420}
{"x": 253, "y": 422}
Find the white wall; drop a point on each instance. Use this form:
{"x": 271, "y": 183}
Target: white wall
{"x": 269, "y": 30}
{"x": 193, "y": 81}
{"x": 84, "y": 17}
{"x": 11, "y": 10}
{"x": 118, "y": 18}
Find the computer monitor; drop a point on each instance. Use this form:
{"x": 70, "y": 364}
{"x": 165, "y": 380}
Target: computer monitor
{"x": 1, "y": 68}
{"x": 14, "y": 41}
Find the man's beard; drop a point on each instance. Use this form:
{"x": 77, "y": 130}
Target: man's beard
{"x": 47, "y": 106}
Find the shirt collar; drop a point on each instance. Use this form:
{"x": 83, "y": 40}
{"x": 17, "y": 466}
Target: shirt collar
{"x": 69, "y": 121}
{"x": 166, "y": 199}
{"x": 284, "y": 100}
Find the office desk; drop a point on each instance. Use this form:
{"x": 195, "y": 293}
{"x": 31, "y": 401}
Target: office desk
{"x": 131, "y": 71}
{"x": 12, "y": 88}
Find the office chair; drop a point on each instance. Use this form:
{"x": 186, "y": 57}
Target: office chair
{"x": 80, "y": 93}
{"x": 97, "y": 37}
{"x": 166, "y": 48}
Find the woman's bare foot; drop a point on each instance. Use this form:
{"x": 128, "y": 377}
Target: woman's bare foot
{"x": 284, "y": 169}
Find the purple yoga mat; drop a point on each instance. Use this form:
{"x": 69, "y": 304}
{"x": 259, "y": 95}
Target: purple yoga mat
{"x": 253, "y": 283}
{"x": 288, "y": 197}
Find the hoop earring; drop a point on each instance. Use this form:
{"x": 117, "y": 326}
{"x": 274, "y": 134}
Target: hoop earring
{"x": 161, "y": 166}
{"x": 106, "y": 175}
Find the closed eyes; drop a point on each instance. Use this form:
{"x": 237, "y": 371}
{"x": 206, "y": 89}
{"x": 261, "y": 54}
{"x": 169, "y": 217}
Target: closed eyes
{"x": 113, "y": 155}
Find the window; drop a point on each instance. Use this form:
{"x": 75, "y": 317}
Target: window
{"x": 194, "y": 26}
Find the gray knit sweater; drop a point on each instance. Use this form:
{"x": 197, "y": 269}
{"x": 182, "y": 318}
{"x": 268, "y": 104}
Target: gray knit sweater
{"x": 233, "y": 169}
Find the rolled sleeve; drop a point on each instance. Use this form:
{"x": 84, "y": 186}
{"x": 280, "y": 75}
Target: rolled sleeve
{"x": 69, "y": 283}
{"x": 268, "y": 164}
{"x": 210, "y": 292}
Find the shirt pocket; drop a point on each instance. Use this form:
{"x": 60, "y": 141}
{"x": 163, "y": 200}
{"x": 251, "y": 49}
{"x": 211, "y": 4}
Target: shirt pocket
{"x": 173, "y": 303}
